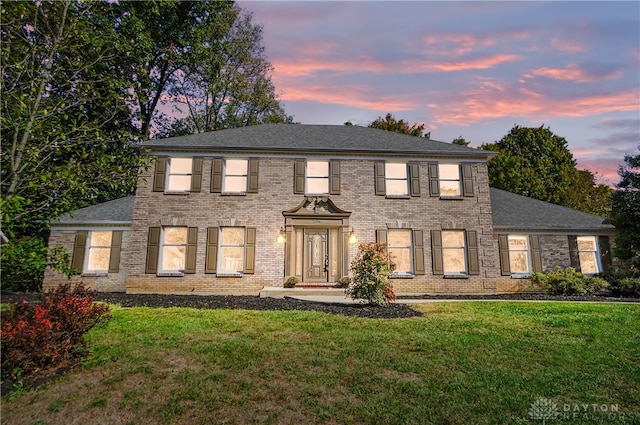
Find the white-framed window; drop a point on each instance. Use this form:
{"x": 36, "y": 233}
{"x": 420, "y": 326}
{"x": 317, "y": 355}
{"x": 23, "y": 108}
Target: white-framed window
{"x": 235, "y": 175}
{"x": 231, "y": 250}
{"x": 173, "y": 249}
{"x": 179, "y": 174}
{"x": 396, "y": 178}
{"x": 317, "y": 177}
{"x": 399, "y": 246}
{"x": 519, "y": 257}
{"x": 98, "y": 251}
{"x": 588, "y": 253}
{"x": 449, "y": 179}
{"x": 454, "y": 252}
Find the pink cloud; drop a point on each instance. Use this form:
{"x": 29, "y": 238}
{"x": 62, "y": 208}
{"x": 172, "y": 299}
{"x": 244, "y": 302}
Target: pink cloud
{"x": 455, "y": 44}
{"x": 567, "y": 46}
{"x": 480, "y": 63}
{"x": 574, "y": 73}
{"x": 494, "y": 100}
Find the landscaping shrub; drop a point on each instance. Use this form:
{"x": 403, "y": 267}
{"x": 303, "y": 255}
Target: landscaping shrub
{"x": 291, "y": 282}
{"x": 343, "y": 282}
{"x": 371, "y": 270}
{"x": 48, "y": 334}
{"x": 569, "y": 282}
{"x": 624, "y": 282}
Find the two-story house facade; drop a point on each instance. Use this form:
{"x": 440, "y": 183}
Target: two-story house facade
{"x": 234, "y": 211}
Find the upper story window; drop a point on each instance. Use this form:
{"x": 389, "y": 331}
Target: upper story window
{"x": 317, "y": 177}
{"x": 396, "y": 178}
{"x": 235, "y": 175}
{"x": 588, "y": 254}
{"x": 449, "y": 176}
{"x": 174, "y": 249}
{"x": 450, "y": 180}
{"x": 99, "y": 252}
{"x": 454, "y": 252}
{"x": 179, "y": 174}
{"x": 399, "y": 247}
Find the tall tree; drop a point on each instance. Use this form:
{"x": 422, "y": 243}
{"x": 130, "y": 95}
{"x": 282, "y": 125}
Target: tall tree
{"x": 532, "y": 162}
{"x": 625, "y": 214}
{"x": 160, "y": 38}
{"x": 229, "y": 85}
{"x": 65, "y": 139}
{"x": 63, "y": 127}
{"x": 537, "y": 163}
{"x": 389, "y": 123}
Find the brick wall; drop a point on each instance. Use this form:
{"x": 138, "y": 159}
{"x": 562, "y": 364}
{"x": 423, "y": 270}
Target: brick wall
{"x": 263, "y": 210}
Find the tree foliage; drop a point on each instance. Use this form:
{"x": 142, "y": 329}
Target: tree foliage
{"x": 535, "y": 162}
{"x": 460, "y": 141}
{"x": 625, "y": 214}
{"x": 389, "y": 123}
{"x": 64, "y": 123}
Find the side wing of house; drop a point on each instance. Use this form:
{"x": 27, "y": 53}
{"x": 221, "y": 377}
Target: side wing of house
{"x": 535, "y": 236}
{"x": 98, "y": 240}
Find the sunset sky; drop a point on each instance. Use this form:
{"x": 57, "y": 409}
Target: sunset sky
{"x": 471, "y": 69}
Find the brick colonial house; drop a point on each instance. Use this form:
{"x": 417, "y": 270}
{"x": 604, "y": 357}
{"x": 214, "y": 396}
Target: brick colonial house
{"x": 234, "y": 211}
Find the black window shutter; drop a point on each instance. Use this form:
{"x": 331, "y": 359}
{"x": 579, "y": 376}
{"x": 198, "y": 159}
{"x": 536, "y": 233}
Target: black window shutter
{"x": 414, "y": 175}
{"x": 79, "y": 247}
{"x": 252, "y": 184}
{"x": 472, "y": 252}
{"x": 196, "y": 174}
{"x": 334, "y": 177}
{"x": 434, "y": 182}
{"x": 211, "y": 261}
{"x": 467, "y": 180}
{"x": 605, "y": 252}
{"x": 379, "y": 176}
{"x": 298, "y": 176}
{"x": 114, "y": 255}
{"x": 436, "y": 252}
{"x": 160, "y": 174}
{"x": 503, "y": 246}
{"x": 192, "y": 249}
{"x": 536, "y": 253}
{"x": 216, "y": 175}
{"x": 153, "y": 250}
{"x": 573, "y": 253}
{"x": 418, "y": 252}
{"x": 250, "y": 251}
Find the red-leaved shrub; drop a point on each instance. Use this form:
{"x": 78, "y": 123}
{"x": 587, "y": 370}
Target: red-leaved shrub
{"x": 48, "y": 334}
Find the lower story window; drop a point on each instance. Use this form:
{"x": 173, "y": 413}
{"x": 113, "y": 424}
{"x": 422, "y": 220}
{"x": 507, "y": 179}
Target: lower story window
{"x": 453, "y": 252}
{"x": 519, "y": 262}
{"x": 588, "y": 254}
{"x": 399, "y": 246}
{"x": 99, "y": 252}
{"x": 231, "y": 258}
{"x": 174, "y": 249}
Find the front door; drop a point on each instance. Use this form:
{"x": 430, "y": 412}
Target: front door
{"x": 316, "y": 255}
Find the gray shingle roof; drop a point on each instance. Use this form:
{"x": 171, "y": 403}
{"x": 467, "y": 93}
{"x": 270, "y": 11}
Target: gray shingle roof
{"x": 116, "y": 211}
{"x": 314, "y": 138}
{"x": 516, "y": 211}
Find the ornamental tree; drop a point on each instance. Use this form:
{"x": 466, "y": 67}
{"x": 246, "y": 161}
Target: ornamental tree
{"x": 371, "y": 270}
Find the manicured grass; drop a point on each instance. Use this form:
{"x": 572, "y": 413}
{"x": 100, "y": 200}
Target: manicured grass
{"x": 462, "y": 363}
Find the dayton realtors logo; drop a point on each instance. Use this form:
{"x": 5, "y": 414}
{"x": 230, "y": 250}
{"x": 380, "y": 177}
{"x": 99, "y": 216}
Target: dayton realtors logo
{"x": 544, "y": 409}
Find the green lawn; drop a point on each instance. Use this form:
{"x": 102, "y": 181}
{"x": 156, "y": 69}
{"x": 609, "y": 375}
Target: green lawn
{"x": 462, "y": 363}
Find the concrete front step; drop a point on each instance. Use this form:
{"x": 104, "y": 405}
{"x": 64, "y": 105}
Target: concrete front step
{"x": 279, "y": 292}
